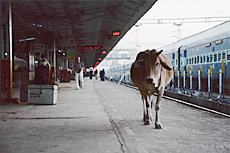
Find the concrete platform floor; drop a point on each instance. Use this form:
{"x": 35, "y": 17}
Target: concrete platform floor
{"x": 104, "y": 117}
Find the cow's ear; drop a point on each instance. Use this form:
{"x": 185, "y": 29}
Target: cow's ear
{"x": 139, "y": 63}
{"x": 141, "y": 55}
{"x": 165, "y": 65}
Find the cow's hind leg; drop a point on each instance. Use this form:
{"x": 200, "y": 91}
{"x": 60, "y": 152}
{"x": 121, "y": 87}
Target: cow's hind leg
{"x": 157, "y": 108}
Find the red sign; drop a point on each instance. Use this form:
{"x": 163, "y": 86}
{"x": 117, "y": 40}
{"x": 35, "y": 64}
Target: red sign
{"x": 103, "y": 52}
{"x": 99, "y": 59}
{"x": 116, "y": 33}
{"x": 89, "y": 47}
{"x": 97, "y": 62}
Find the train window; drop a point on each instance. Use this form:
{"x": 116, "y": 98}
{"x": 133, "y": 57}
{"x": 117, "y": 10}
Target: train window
{"x": 207, "y": 58}
{"x": 194, "y": 60}
{"x": 208, "y": 45}
{"x": 219, "y": 56}
{"x": 223, "y": 55}
{"x": 173, "y": 56}
{"x": 219, "y": 42}
{"x": 198, "y": 59}
{"x": 211, "y": 57}
{"x": 190, "y": 61}
{"x": 215, "y": 57}
{"x": 228, "y": 55}
{"x": 204, "y": 59}
{"x": 201, "y": 59}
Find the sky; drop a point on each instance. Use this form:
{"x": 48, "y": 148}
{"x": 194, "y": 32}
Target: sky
{"x": 149, "y": 36}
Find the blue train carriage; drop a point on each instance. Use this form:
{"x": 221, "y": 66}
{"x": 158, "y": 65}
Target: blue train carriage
{"x": 120, "y": 73}
{"x": 207, "y": 50}
{"x": 126, "y": 78}
{"x": 113, "y": 73}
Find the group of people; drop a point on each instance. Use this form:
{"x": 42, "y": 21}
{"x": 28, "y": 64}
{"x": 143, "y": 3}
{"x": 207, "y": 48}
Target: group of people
{"x": 42, "y": 72}
{"x": 102, "y": 74}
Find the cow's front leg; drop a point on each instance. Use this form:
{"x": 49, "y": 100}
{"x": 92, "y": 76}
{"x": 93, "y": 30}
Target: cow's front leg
{"x": 157, "y": 108}
{"x": 157, "y": 122}
{"x": 148, "y": 112}
{"x": 151, "y": 99}
{"x": 144, "y": 109}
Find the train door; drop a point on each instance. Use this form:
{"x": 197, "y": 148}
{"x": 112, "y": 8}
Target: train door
{"x": 179, "y": 58}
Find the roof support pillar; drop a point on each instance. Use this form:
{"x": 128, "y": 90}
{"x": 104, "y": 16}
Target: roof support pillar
{"x": 1, "y": 32}
{"x": 1, "y": 49}
{"x": 10, "y": 77}
{"x": 54, "y": 64}
{"x": 6, "y": 53}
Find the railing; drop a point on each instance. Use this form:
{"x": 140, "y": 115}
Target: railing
{"x": 185, "y": 83}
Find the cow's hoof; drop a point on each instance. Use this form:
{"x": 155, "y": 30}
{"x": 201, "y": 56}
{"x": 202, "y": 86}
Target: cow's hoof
{"x": 147, "y": 122}
{"x": 158, "y": 126}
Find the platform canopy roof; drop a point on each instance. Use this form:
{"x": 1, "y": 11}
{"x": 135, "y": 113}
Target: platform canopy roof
{"x": 82, "y": 25}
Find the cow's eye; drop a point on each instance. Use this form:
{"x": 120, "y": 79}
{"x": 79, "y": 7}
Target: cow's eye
{"x": 157, "y": 64}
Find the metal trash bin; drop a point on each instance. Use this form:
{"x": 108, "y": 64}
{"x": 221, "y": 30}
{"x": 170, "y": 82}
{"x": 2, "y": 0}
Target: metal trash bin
{"x": 42, "y": 94}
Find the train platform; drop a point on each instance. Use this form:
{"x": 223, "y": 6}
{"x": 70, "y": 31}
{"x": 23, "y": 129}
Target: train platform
{"x": 105, "y": 117}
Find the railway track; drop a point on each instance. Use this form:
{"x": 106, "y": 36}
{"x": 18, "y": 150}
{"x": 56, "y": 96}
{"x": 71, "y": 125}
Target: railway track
{"x": 182, "y": 102}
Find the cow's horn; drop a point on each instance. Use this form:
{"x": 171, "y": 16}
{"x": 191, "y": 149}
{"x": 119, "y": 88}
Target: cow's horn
{"x": 160, "y": 52}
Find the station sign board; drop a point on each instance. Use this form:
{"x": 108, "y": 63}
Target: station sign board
{"x": 116, "y": 33}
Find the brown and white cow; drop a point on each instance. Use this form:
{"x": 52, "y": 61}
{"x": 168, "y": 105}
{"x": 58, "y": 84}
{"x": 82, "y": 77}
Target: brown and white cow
{"x": 151, "y": 72}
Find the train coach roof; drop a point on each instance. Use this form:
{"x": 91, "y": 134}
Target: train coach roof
{"x": 215, "y": 33}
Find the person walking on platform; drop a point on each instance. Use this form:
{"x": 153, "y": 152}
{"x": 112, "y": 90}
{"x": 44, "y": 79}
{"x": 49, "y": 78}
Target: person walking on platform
{"x": 102, "y": 75}
{"x": 91, "y": 72}
{"x": 78, "y": 68}
{"x": 95, "y": 73}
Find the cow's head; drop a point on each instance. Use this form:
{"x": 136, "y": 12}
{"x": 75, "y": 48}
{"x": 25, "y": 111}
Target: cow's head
{"x": 152, "y": 62}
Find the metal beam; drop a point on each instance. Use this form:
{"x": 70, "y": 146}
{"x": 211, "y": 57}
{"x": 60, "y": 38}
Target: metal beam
{"x": 27, "y": 24}
{"x": 184, "y": 20}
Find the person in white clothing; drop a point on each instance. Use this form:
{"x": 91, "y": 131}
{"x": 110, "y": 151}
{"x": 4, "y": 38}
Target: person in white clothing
{"x": 78, "y": 68}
